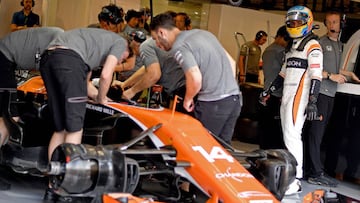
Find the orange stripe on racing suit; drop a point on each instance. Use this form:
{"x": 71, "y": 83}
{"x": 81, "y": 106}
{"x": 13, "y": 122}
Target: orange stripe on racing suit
{"x": 297, "y": 99}
{"x": 313, "y": 47}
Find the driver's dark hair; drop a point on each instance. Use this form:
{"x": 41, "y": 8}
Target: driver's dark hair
{"x": 163, "y": 20}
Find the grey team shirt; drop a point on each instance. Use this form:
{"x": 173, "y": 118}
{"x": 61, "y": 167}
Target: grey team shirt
{"x": 172, "y": 76}
{"x": 92, "y": 44}
{"x": 201, "y": 48}
{"x": 273, "y": 59}
{"x": 21, "y": 46}
{"x": 332, "y": 56}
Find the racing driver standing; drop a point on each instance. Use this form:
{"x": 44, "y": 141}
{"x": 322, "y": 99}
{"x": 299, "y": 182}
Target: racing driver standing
{"x": 300, "y": 77}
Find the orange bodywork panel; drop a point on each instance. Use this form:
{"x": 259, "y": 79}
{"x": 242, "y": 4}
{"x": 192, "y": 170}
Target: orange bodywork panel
{"x": 34, "y": 85}
{"x": 116, "y": 198}
{"x": 212, "y": 167}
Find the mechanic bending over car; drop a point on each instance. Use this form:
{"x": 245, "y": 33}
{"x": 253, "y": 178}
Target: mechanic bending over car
{"x": 20, "y": 50}
{"x": 159, "y": 68}
{"x": 111, "y": 19}
{"x": 133, "y": 63}
{"x": 134, "y": 40}
{"x": 66, "y": 69}
{"x": 208, "y": 74}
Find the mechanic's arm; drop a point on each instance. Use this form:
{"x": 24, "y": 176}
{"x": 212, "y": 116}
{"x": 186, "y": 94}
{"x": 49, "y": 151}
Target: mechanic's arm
{"x": 338, "y": 78}
{"x": 241, "y": 66}
{"x": 91, "y": 89}
{"x": 150, "y": 77}
{"x": 106, "y": 77}
{"x": 350, "y": 74}
{"x": 126, "y": 65}
{"x": 134, "y": 78}
{"x": 193, "y": 85}
{"x": 14, "y": 27}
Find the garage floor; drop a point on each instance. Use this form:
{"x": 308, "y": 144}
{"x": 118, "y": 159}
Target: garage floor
{"x": 27, "y": 189}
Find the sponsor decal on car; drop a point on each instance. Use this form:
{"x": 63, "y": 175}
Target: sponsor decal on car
{"x": 233, "y": 175}
{"x": 249, "y": 194}
{"x": 100, "y": 109}
{"x": 215, "y": 153}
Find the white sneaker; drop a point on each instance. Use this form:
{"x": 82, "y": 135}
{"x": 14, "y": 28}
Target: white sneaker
{"x": 294, "y": 188}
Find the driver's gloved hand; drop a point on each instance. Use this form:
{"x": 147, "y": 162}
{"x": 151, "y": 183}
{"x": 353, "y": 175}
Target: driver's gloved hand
{"x": 264, "y": 96}
{"x": 312, "y": 110}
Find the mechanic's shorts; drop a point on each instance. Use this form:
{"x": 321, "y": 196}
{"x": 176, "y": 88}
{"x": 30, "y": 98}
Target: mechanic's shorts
{"x": 7, "y": 83}
{"x": 65, "y": 73}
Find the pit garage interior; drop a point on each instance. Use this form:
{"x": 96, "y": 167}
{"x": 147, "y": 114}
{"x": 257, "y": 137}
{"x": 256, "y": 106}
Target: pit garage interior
{"x": 222, "y": 19}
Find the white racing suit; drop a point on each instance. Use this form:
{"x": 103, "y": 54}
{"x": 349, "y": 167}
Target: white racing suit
{"x": 298, "y": 70}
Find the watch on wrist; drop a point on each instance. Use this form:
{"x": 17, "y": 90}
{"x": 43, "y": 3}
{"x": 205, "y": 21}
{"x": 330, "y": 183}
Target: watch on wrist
{"x": 328, "y": 75}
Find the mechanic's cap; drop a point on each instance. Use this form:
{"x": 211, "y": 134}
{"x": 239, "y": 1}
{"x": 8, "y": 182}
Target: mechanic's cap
{"x": 138, "y": 36}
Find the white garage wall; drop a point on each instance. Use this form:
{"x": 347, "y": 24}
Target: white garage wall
{"x": 66, "y": 14}
{"x": 225, "y": 20}
{"x": 69, "y": 14}
{"x": 222, "y": 20}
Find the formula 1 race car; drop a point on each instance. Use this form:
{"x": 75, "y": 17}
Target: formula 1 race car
{"x": 131, "y": 152}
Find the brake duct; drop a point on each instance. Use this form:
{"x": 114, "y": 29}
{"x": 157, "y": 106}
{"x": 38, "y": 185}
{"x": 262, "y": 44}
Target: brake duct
{"x": 86, "y": 170}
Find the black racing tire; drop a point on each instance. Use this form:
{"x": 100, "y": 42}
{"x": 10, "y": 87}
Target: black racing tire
{"x": 235, "y": 2}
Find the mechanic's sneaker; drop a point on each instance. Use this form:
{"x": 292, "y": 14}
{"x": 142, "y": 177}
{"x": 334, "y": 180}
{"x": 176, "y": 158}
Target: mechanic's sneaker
{"x": 186, "y": 196}
{"x": 323, "y": 180}
{"x": 4, "y": 185}
{"x": 294, "y": 188}
{"x": 50, "y": 195}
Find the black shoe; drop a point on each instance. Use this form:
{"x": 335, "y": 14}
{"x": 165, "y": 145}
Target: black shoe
{"x": 4, "y": 185}
{"x": 323, "y": 180}
{"x": 330, "y": 173}
{"x": 50, "y": 195}
{"x": 186, "y": 196}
